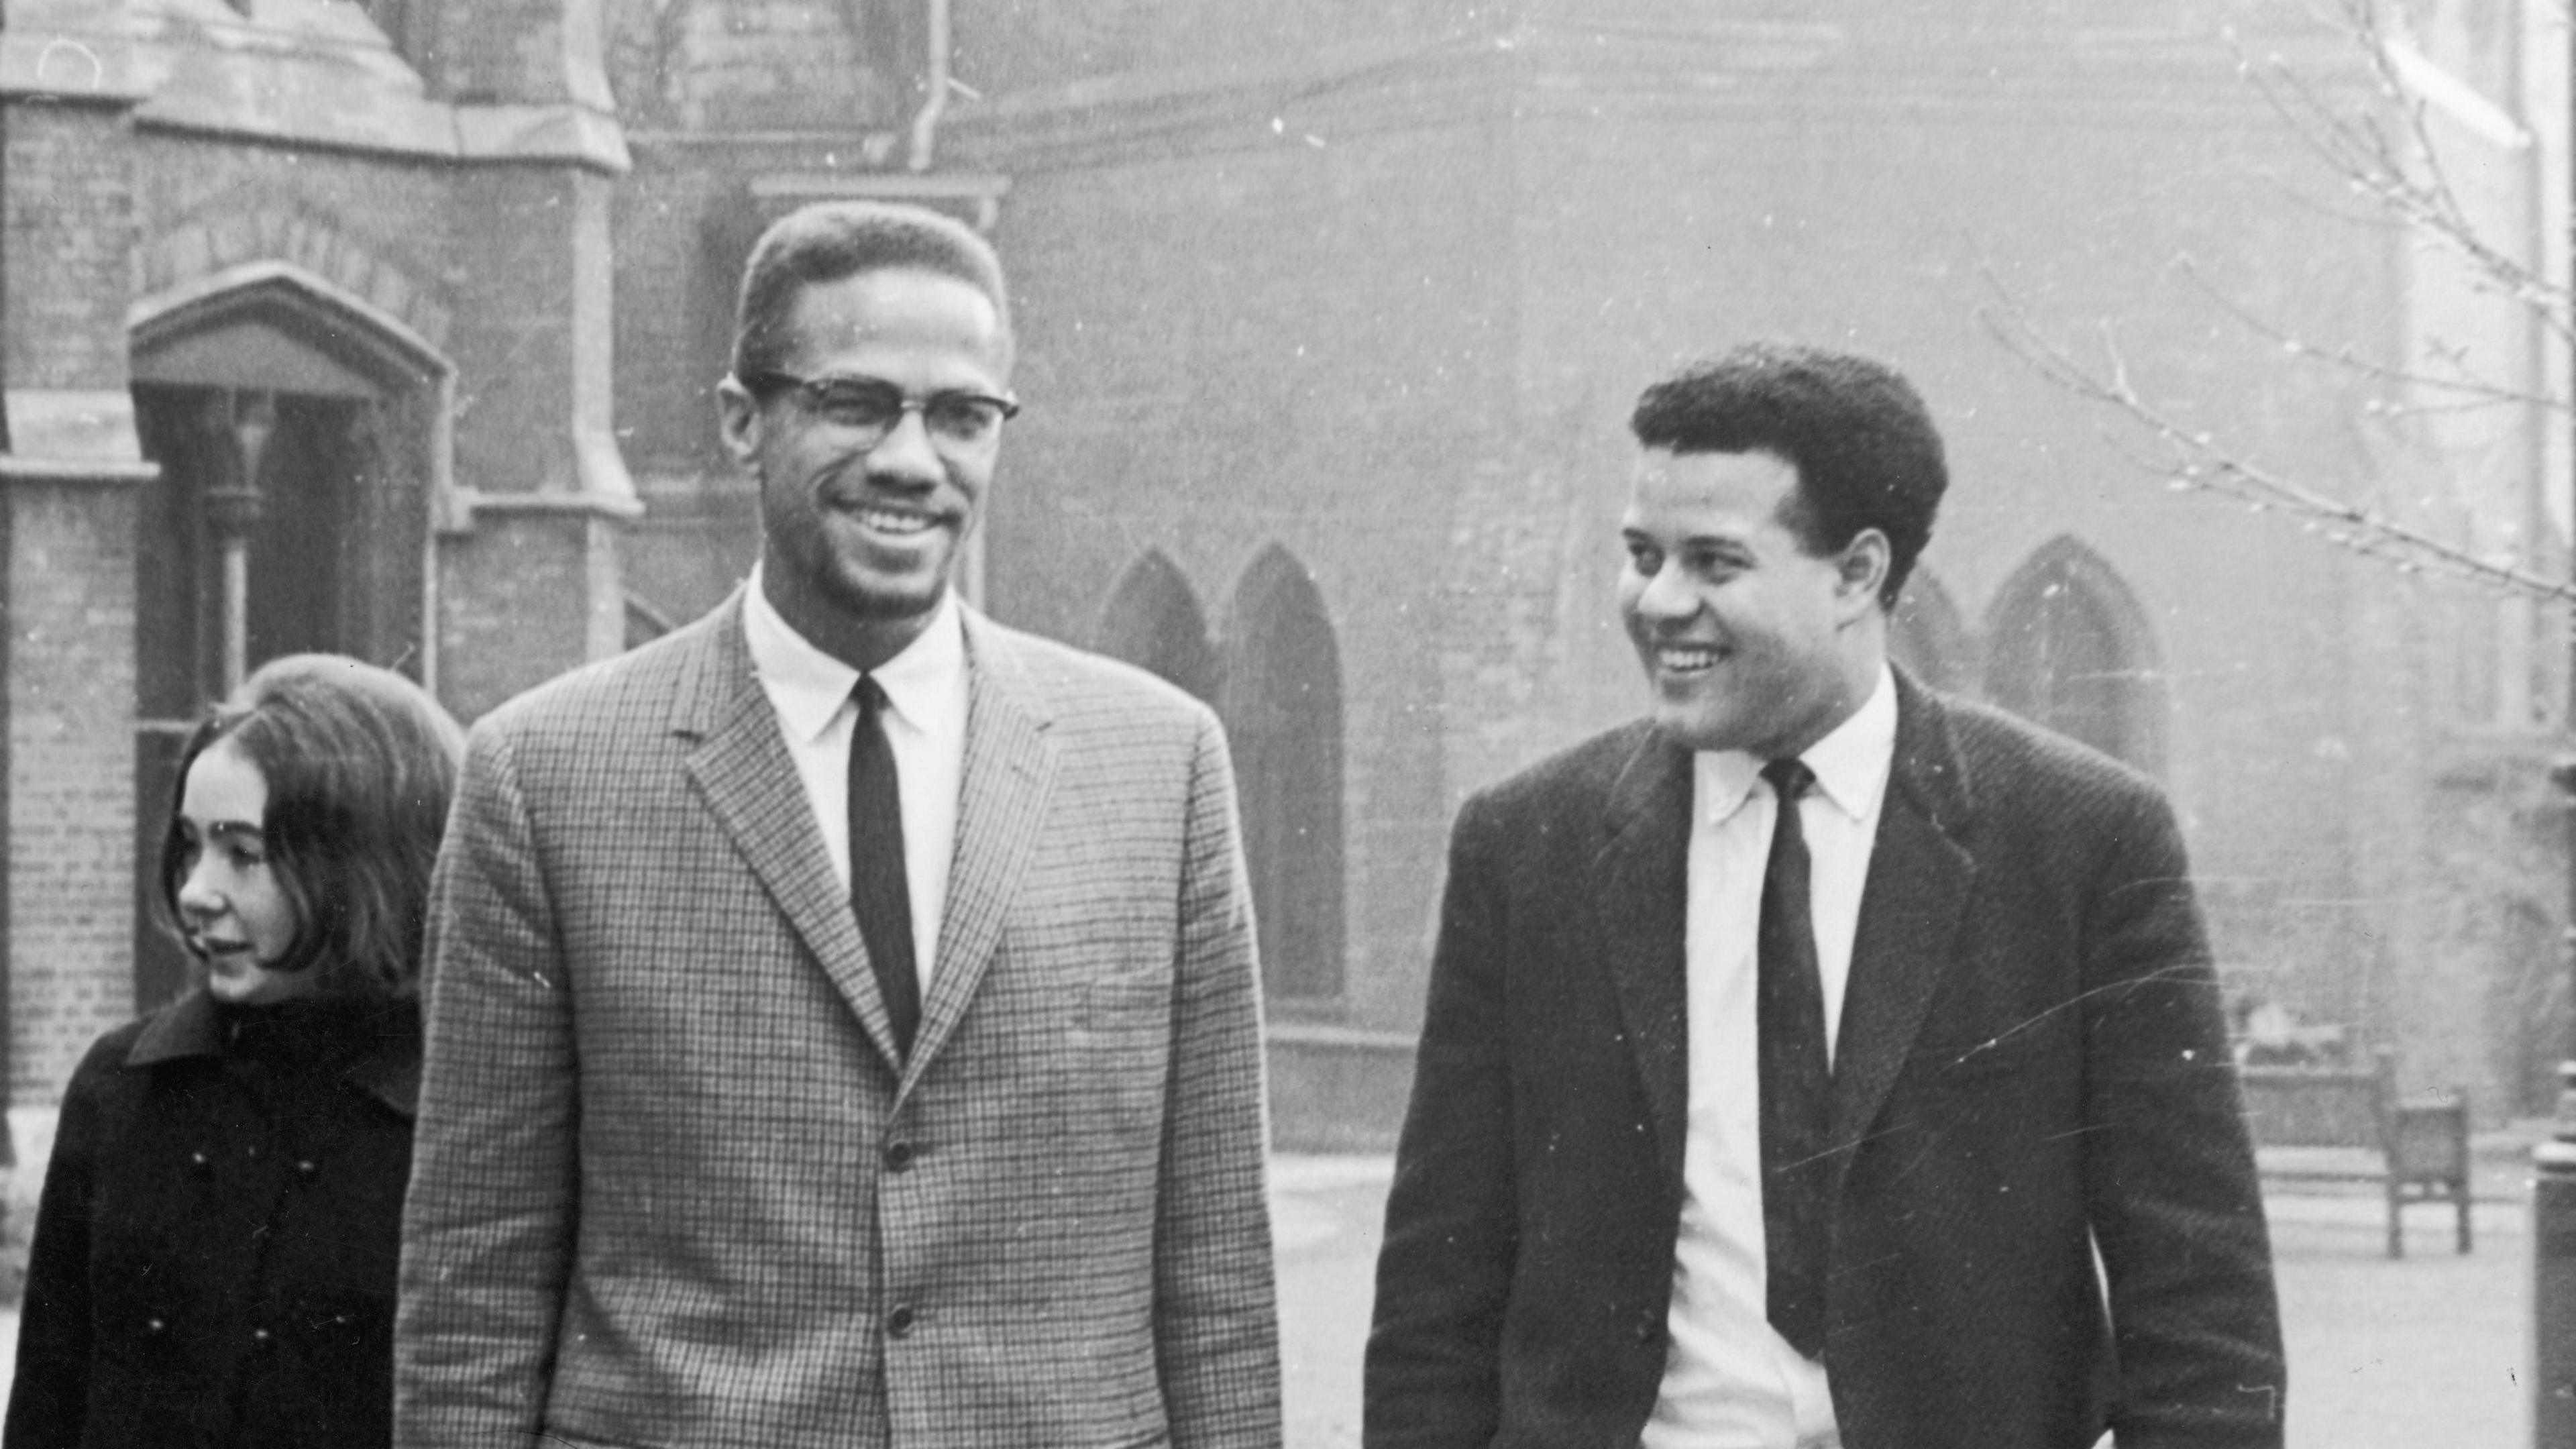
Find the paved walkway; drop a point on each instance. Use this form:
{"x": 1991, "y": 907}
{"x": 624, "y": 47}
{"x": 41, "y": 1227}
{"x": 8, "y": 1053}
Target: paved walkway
{"x": 2423, "y": 1353}
{"x": 2427, "y": 1352}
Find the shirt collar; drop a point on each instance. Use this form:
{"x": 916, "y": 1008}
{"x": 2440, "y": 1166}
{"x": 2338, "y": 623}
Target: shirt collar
{"x": 1850, "y": 764}
{"x": 809, "y": 687}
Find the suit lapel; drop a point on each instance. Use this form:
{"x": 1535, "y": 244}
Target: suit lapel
{"x": 1009, "y": 771}
{"x": 1919, "y": 879}
{"x": 741, "y": 767}
{"x": 1643, "y": 889}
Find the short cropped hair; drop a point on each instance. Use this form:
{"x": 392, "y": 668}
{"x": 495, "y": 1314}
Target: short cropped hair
{"x": 1864, "y": 446}
{"x": 360, "y": 765}
{"x": 830, "y": 240}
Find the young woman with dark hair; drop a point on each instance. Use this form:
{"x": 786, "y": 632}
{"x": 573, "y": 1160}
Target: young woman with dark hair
{"x": 216, "y": 1245}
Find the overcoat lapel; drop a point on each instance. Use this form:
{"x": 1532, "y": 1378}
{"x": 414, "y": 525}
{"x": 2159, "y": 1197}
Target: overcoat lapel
{"x": 1643, "y": 888}
{"x": 1920, "y": 874}
{"x": 740, "y": 764}
{"x": 1009, "y": 772}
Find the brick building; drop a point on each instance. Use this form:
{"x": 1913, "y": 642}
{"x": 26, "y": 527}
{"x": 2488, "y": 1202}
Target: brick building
{"x": 393, "y": 328}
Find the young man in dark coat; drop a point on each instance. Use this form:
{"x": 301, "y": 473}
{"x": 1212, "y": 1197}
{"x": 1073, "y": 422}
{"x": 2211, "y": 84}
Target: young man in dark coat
{"x": 1790, "y": 1053}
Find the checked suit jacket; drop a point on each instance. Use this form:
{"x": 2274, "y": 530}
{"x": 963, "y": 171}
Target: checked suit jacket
{"x": 2031, "y": 1066}
{"x": 673, "y": 1185}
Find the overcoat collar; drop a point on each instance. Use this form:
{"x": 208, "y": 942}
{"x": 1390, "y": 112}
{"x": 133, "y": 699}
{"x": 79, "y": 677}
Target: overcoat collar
{"x": 191, "y": 1027}
{"x": 740, "y": 764}
{"x": 1920, "y": 874}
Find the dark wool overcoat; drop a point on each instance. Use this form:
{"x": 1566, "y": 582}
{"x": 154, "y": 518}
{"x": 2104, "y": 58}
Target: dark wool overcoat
{"x": 217, "y": 1243}
{"x": 2043, "y": 1216}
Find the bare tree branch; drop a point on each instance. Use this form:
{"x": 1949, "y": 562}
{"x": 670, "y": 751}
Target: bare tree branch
{"x": 2196, "y": 460}
{"x": 2467, "y": 389}
{"x": 2402, "y": 175}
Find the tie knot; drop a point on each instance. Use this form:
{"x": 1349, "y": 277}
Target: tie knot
{"x": 869, "y": 695}
{"x": 1790, "y": 779}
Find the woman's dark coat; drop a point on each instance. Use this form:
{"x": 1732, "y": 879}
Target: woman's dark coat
{"x": 216, "y": 1247}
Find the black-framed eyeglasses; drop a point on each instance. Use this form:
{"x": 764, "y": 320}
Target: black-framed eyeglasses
{"x": 868, "y": 408}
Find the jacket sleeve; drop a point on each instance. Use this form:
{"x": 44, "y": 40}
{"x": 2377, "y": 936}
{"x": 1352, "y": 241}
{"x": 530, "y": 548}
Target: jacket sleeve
{"x": 487, "y": 1227}
{"x": 1216, "y": 1334}
{"x": 49, "y": 1399}
{"x": 2171, "y": 1189}
{"x": 1452, "y": 1239}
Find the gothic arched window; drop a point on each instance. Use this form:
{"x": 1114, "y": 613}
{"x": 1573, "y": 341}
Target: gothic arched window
{"x": 1152, "y": 621}
{"x": 1282, "y": 704}
{"x": 2068, "y": 647}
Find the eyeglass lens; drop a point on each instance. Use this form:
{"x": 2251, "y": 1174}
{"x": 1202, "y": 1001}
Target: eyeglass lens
{"x": 867, "y": 405}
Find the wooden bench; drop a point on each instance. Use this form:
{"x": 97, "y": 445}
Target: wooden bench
{"x": 2346, "y": 1124}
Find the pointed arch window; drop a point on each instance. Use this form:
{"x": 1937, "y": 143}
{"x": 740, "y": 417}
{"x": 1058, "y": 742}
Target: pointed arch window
{"x": 2069, "y": 648}
{"x": 1153, "y": 621}
{"x": 1926, "y": 635}
{"x": 1282, "y": 704}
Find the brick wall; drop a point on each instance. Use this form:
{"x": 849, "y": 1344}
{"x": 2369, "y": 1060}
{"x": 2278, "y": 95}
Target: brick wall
{"x": 69, "y": 232}
{"x": 1392, "y": 321}
{"x": 1274, "y": 342}
{"x": 70, "y": 702}
{"x": 511, "y": 616}
{"x": 1005, "y": 46}
{"x": 766, "y": 65}
{"x": 1398, "y": 323}
{"x": 68, "y": 581}
{"x": 380, "y": 230}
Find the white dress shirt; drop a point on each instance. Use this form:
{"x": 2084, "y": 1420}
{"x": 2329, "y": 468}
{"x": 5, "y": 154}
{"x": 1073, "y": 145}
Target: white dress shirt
{"x": 925, "y": 688}
{"x": 1731, "y": 1381}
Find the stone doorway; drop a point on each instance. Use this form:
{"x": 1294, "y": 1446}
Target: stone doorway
{"x": 300, "y": 438}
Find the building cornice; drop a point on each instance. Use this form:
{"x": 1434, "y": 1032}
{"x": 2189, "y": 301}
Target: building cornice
{"x": 74, "y": 437}
{"x": 331, "y": 94}
{"x": 472, "y": 504}
{"x": 75, "y": 472}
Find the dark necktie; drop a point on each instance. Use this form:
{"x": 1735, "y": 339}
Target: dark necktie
{"x": 1796, "y": 1083}
{"x": 878, "y": 895}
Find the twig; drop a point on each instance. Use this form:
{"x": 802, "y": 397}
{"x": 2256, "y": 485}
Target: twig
{"x": 2471, "y": 389}
{"x": 2198, "y": 462}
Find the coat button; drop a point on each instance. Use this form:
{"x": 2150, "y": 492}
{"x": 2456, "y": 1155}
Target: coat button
{"x": 899, "y": 1322}
{"x": 306, "y": 1167}
{"x": 262, "y": 1338}
{"x": 200, "y": 1164}
{"x": 898, "y": 1156}
{"x": 156, "y": 1326}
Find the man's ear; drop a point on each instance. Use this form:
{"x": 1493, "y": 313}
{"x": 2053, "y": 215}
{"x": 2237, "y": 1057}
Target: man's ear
{"x": 739, "y": 421}
{"x": 1861, "y": 571}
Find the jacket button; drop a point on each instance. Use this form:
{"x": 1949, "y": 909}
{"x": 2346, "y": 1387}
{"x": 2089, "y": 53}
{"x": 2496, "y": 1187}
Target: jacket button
{"x": 899, "y": 1322}
{"x": 156, "y": 1326}
{"x": 200, "y": 1164}
{"x": 898, "y": 1156}
{"x": 261, "y": 1338}
{"x": 1646, "y": 1333}
{"x": 307, "y": 1167}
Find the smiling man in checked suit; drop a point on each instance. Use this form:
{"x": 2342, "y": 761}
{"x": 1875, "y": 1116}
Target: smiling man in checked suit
{"x": 1743, "y": 1126}
{"x": 843, "y": 1026}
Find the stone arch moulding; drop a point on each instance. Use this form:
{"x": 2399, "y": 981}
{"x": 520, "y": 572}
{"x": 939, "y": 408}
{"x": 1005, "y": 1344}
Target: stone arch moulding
{"x": 2068, "y": 646}
{"x": 1281, "y": 699}
{"x": 273, "y": 324}
{"x": 1153, "y": 621}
